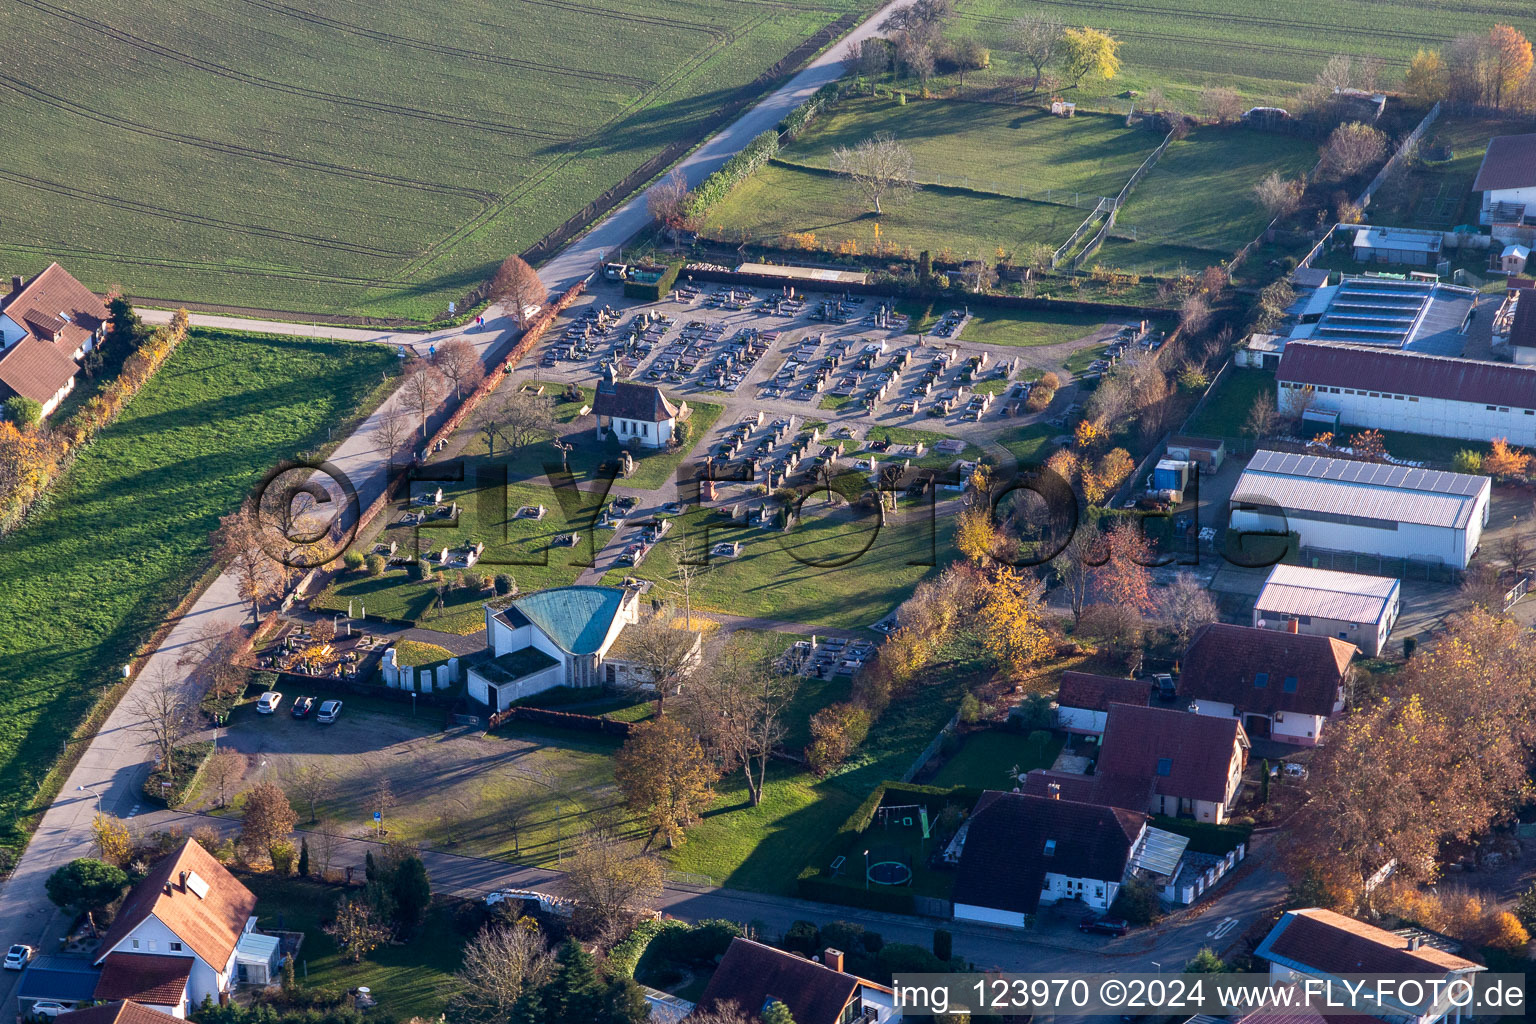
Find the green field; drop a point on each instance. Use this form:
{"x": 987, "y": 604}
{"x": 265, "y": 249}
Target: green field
{"x": 345, "y": 158}
{"x": 990, "y": 148}
{"x": 1266, "y": 53}
{"x": 992, "y": 758}
{"x": 780, "y": 199}
{"x": 122, "y": 535}
{"x": 1200, "y": 193}
{"x": 1025, "y": 328}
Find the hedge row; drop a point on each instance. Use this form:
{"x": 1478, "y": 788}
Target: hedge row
{"x": 1206, "y": 836}
{"x": 561, "y": 720}
{"x": 625, "y": 956}
{"x": 189, "y": 759}
{"x": 932, "y": 797}
{"x": 735, "y": 170}
{"x": 892, "y": 901}
{"x": 654, "y": 291}
{"x": 799, "y": 119}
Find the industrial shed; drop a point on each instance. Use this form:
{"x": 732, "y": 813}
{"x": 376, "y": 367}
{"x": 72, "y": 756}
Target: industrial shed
{"x": 1363, "y": 507}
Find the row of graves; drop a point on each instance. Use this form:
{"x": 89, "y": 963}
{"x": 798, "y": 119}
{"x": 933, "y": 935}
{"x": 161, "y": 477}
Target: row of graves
{"x": 1131, "y": 338}
{"x": 318, "y": 650}
{"x": 429, "y": 507}
{"x": 840, "y": 309}
{"x": 824, "y": 657}
{"x": 731, "y": 365}
{"x": 584, "y": 335}
{"x": 651, "y": 531}
{"x": 951, "y": 324}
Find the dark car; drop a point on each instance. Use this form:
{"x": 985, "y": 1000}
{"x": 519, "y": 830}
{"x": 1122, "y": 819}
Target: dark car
{"x": 1104, "y": 925}
{"x": 303, "y": 706}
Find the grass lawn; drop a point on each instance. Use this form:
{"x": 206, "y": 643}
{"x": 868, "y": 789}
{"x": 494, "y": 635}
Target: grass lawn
{"x": 835, "y": 569}
{"x": 987, "y": 759}
{"x": 1013, "y": 151}
{"x": 1439, "y": 195}
{"x": 1080, "y": 360}
{"x": 291, "y": 157}
{"x": 1200, "y": 194}
{"x": 1226, "y": 411}
{"x": 913, "y": 435}
{"x": 1028, "y": 443}
{"x": 997, "y": 327}
{"x": 124, "y": 533}
{"x": 414, "y": 979}
{"x": 780, "y": 199}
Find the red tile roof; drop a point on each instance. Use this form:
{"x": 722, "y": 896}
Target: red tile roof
{"x": 35, "y": 369}
{"x": 117, "y": 1013}
{"x": 1004, "y": 861}
{"x": 752, "y": 974}
{"x": 54, "y": 297}
{"x": 145, "y": 977}
{"x": 1510, "y": 162}
{"x": 1324, "y": 364}
{"x": 210, "y": 927}
{"x": 1198, "y": 750}
{"x": 1096, "y": 692}
{"x": 1335, "y": 944}
{"x": 1224, "y": 663}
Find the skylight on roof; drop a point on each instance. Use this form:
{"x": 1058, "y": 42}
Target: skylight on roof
{"x": 195, "y": 885}
{"x": 1165, "y": 766}
{"x": 1290, "y": 684}
{"x": 1260, "y": 680}
{"x": 1050, "y": 847}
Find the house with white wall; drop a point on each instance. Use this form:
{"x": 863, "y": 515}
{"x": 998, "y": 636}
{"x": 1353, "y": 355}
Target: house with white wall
{"x": 47, "y": 324}
{"x": 1280, "y": 684}
{"x": 1348, "y": 606}
{"x": 635, "y": 414}
{"x": 1195, "y": 762}
{"x": 1507, "y": 181}
{"x": 555, "y": 637}
{"x": 1021, "y": 852}
{"x": 1083, "y": 700}
{"x": 186, "y": 932}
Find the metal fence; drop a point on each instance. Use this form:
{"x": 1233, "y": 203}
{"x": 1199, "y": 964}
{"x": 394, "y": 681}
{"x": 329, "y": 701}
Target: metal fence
{"x": 930, "y": 750}
{"x": 1396, "y": 159}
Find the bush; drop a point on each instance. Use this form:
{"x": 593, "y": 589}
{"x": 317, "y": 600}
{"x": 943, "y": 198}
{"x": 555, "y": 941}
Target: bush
{"x": 24, "y": 412}
{"x": 1033, "y": 713}
{"x": 376, "y": 565}
{"x": 282, "y": 854}
{"x": 850, "y": 938}
{"x": 625, "y": 955}
{"x": 1136, "y": 902}
{"x": 504, "y": 584}
{"x": 353, "y": 560}
{"x": 905, "y": 958}
{"x": 943, "y": 944}
{"x": 86, "y": 884}
{"x": 805, "y": 937}
{"x": 187, "y": 760}
{"x": 1467, "y": 461}
{"x": 970, "y": 709}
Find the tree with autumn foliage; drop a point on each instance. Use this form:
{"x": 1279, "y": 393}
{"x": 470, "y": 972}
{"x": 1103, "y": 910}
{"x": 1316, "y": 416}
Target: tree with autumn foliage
{"x": 1123, "y": 579}
{"x": 1012, "y": 621}
{"x": 1510, "y": 61}
{"x": 1504, "y": 460}
{"x": 1369, "y": 444}
{"x": 1107, "y": 472}
{"x": 975, "y": 533}
{"x": 664, "y": 776}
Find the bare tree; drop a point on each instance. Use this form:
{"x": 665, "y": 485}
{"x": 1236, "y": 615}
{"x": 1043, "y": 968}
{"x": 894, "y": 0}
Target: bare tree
{"x": 238, "y": 544}
{"x": 498, "y": 964}
{"x": 1187, "y": 607}
{"x": 160, "y": 708}
{"x": 391, "y": 429}
{"x": 1075, "y": 565}
{"x": 224, "y": 770}
{"x": 517, "y": 287}
{"x": 1514, "y": 547}
{"x": 1352, "y": 148}
{"x": 1194, "y": 314}
{"x": 609, "y": 883}
{"x": 311, "y": 784}
{"x": 518, "y": 418}
{"x": 663, "y": 645}
{"x": 1279, "y": 195}
{"x": 721, "y": 1013}
{"x": 667, "y": 202}
{"x": 460, "y": 365}
{"x": 870, "y": 58}
{"x": 879, "y": 168}
{"x": 738, "y": 708}
{"x": 324, "y": 840}
{"x": 1221, "y": 104}
{"x": 1260, "y": 421}
{"x": 917, "y": 57}
{"x": 1036, "y": 38}
{"x": 422, "y": 388}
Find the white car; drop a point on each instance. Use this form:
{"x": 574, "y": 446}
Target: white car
{"x": 48, "y": 1008}
{"x": 329, "y": 712}
{"x": 18, "y": 957}
{"x": 269, "y": 702}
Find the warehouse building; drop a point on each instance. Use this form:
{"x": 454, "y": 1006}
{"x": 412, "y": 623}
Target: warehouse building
{"x": 1321, "y": 602}
{"x": 1363, "y": 507}
{"x": 1472, "y": 399}
{"x": 1416, "y": 314}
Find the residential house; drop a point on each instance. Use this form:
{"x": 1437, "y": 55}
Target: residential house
{"x": 1195, "y": 761}
{"x": 1349, "y": 606}
{"x": 752, "y": 976}
{"x": 555, "y": 637}
{"x": 183, "y": 934}
{"x": 636, "y": 414}
{"x": 47, "y": 325}
{"x": 1507, "y": 180}
{"x": 1314, "y": 943}
{"x": 1363, "y": 507}
{"x": 1084, "y": 698}
{"x": 1131, "y": 792}
{"x": 1281, "y": 685}
{"x": 66, "y": 980}
{"x": 1022, "y": 851}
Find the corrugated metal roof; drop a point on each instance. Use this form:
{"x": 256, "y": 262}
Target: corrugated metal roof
{"x": 1301, "y": 590}
{"x": 1364, "y": 489}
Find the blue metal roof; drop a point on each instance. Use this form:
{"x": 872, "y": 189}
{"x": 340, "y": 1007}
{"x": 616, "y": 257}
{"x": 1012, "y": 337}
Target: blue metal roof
{"x": 577, "y": 619}
{"x": 63, "y": 978}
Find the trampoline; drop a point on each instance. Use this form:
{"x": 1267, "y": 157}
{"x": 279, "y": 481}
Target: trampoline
{"x": 889, "y": 866}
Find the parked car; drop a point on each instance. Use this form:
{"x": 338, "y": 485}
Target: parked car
{"x": 1295, "y": 771}
{"x": 48, "y": 1008}
{"x": 303, "y": 706}
{"x": 18, "y": 957}
{"x": 268, "y": 702}
{"x": 1104, "y": 925}
{"x": 329, "y": 712}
